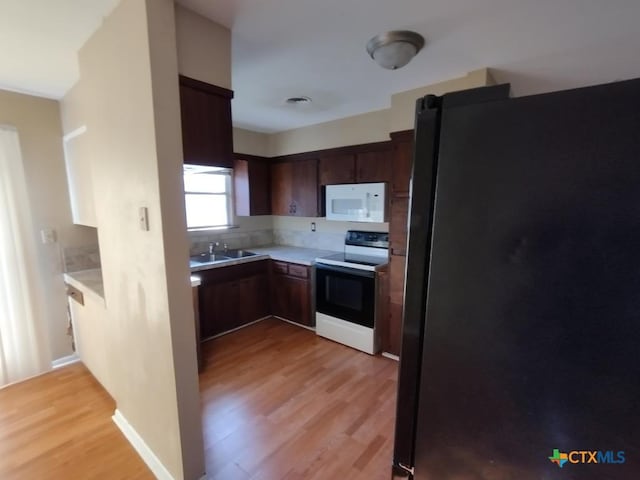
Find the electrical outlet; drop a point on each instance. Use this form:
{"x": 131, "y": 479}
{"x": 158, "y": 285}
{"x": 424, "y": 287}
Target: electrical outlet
{"x": 313, "y": 226}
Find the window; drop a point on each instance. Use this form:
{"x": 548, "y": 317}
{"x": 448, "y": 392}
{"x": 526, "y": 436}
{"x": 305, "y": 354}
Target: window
{"x": 208, "y": 197}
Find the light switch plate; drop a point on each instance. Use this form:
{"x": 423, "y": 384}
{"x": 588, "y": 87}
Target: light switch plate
{"x": 143, "y": 216}
{"x": 48, "y": 235}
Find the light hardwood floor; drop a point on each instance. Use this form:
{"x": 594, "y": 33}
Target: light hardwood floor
{"x": 277, "y": 403}
{"x": 58, "y": 426}
{"x": 281, "y": 403}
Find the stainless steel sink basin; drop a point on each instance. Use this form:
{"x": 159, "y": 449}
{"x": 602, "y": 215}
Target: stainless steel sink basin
{"x": 238, "y": 253}
{"x": 208, "y": 258}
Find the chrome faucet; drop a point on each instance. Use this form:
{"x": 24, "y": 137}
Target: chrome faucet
{"x": 213, "y": 246}
{"x": 226, "y": 247}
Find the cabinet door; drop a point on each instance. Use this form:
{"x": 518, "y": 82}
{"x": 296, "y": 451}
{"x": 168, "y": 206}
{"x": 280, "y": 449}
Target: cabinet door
{"x": 280, "y": 296}
{"x": 337, "y": 169}
{"x": 305, "y": 188}
{"x": 282, "y": 188}
{"x": 398, "y": 225}
{"x": 291, "y": 293}
{"x": 253, "y": 299}
{"x": 299, "y": 300}
{"x": 392, "y": 341}
{"x": 209, "y": 300}
{"x": 294, "y": 188}
{"x": 251, "y": 187}
{"x": 206, "y": 123}
{"x": 373, "y": 167}
{"x": 402, "y": 160}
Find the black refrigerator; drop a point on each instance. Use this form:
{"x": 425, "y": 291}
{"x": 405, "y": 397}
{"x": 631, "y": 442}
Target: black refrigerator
{"x": 520, "y": 351}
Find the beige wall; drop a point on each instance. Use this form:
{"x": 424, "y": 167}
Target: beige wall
{"x": 372, "y": 126}
{"x": 204, "y": 48}
{"x": 38, "y": 124}
{"x": 403, "y": 104}
{"x": 127, "y": 96}
{"x": 250, "y": 142}
{"x": 366, "y": 128}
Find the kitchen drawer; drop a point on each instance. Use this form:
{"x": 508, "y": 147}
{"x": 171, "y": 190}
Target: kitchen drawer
{"x": 299, "y": 271}
{"x": 280, "y": 267}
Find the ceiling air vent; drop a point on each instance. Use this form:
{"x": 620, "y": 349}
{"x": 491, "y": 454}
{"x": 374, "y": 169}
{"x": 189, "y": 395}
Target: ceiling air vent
{"x": 298, "y": 100}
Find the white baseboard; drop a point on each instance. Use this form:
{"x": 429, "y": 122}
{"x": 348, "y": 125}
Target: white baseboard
{"x": 64, "y": 361}
{"x": 294, "y": 323}
{"x": 234, "y": 329}
{"x": 156, "y": 466}
{"x": 391, "y": 356}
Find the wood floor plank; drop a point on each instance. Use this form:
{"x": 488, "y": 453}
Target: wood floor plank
{"x": 280, "y": 402}
{"x": 58, "y": 426}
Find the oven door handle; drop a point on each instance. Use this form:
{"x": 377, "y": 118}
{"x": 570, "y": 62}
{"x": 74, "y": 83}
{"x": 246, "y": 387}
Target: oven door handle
{"x": 346, "y": 270}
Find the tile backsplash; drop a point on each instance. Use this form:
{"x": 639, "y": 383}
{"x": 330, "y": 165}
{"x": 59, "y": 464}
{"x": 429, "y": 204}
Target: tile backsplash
{"x": 81, "y": 258}
{"x": 328, "y": 235}
{"x": 255, "y": 238}
{"x": 316, "y": 240}
{"x": 277, "y": 230}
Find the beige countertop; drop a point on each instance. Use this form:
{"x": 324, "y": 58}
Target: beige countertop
{"x": 226, "y": 263}
{"x": 303, "y": 256}
{"x": 88, "y": 281}
{"x": 284, "y": 253}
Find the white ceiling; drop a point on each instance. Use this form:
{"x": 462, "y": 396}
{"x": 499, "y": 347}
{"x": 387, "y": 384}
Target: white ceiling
{"x": 284, "y": 48}
{"x": 39, "y": 40}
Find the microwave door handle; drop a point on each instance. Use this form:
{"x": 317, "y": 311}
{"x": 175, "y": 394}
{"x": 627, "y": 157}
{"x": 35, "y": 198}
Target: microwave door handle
{"x": 367, "y": 205}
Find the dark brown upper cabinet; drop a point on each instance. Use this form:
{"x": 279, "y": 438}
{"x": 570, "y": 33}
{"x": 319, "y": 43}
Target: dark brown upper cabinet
{"x": 337, "y": 169}
{"x": 294, "y": 188}
{"x": 207, "y": 137}
{"x": 367, "y": 164}
{"x": 402, "y": 159}
{"x": 251, "y": 177}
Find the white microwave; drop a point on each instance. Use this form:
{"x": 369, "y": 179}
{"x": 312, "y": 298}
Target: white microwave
{"x": 356, "y": 202}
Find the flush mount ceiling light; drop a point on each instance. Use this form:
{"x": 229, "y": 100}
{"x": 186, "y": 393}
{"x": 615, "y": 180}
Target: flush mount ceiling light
{"x": 395, "y": 49}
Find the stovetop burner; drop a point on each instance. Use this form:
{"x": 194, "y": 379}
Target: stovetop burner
{"x": 356, "y": 259}
{"x": 363, "y": 250}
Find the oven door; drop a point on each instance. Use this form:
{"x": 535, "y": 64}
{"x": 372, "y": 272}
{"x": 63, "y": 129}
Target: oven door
{"x": 346, "y": 293}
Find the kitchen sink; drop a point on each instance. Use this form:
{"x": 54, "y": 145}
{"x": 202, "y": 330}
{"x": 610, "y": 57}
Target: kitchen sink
{"x": 238, "y": 253}
{"x": 208, "y": 258}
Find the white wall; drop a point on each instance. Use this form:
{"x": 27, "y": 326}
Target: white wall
{"x": 38, "y": 123}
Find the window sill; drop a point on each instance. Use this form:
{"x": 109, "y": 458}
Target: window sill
{"x": 212, "y": 229}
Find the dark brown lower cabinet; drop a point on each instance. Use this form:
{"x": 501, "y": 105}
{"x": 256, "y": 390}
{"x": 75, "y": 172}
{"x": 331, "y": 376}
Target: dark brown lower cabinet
{"x": 291, "y": 292}
{"x": 233, "y": 296}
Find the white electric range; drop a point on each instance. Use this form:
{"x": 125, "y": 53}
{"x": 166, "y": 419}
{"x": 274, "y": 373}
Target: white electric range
{"x": 347, "y": 290}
